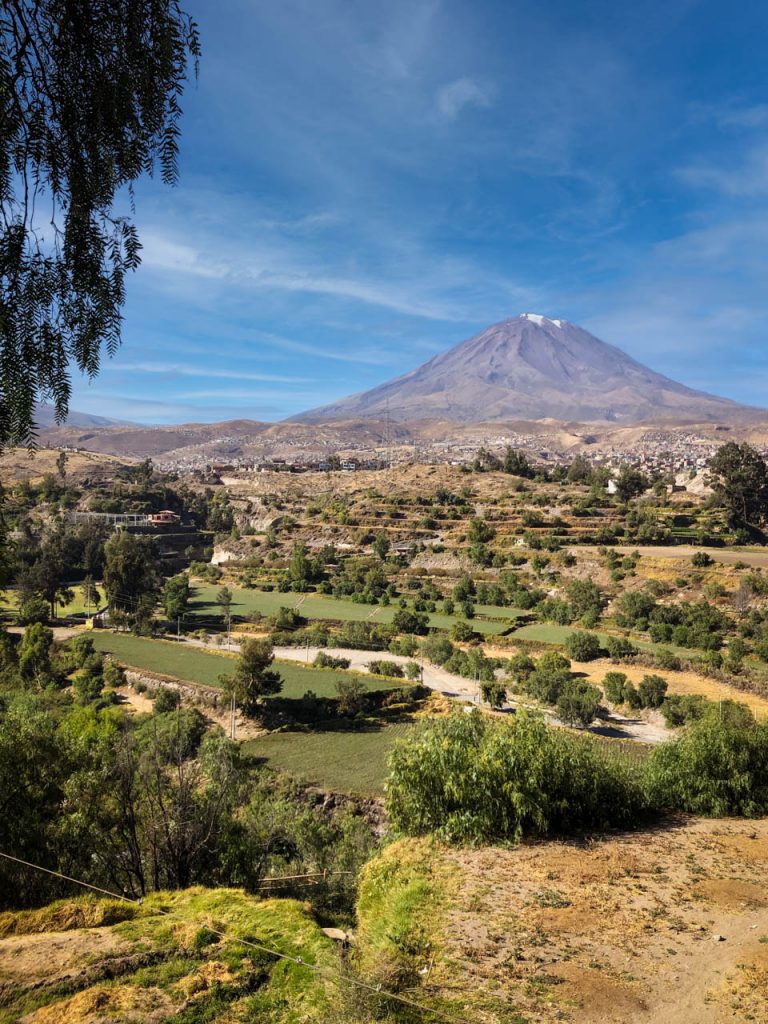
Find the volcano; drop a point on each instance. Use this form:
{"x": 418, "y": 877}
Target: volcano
{"x": 531, "y": 367}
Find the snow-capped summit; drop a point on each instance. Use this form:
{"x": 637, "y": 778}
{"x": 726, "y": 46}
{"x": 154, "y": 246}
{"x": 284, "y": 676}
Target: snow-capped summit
{"x": 531, "y": 367}
{"x": 540, "y": 319}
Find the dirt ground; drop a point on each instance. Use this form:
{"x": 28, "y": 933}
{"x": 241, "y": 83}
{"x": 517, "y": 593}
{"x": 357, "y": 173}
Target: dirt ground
{"x": 670, "y": 926}
{"x": 140, "y": 703}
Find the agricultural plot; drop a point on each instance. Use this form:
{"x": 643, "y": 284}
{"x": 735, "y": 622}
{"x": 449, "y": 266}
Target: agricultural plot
{"x": 552, "y": 633}
{"x": 194, "y": 665}
{"x": 204, "y": 608}
{"x": 341, "y": 762}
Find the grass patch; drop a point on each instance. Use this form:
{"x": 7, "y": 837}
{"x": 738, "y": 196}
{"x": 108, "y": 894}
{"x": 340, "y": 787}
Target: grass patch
{"x": 203, "y": 606}
{"x": 342, "y": 762}
{"x": 551, "y": 633}
{"x": 192, "y": 664}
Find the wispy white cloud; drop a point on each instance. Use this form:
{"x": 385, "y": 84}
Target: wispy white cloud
{"x": 189, "y": 370}
{"x": 747, "y": 176}
{"x": 463, "y": 92}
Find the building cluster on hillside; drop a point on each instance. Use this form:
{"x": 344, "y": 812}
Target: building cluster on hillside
{"x": 654, "y": 451}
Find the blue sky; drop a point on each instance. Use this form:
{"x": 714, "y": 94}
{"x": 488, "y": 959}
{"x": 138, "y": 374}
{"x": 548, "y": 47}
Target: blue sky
{"x": 366, "y": 184}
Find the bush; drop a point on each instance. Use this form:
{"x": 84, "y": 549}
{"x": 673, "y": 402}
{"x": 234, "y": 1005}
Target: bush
{"x": 405, "y": 621}
{"x": 413, "y": 670}
{"x": 437, "y": 649}
{"x": 582, "y": 646}
{"x": 652, "y": 691}
{"x": 166, "y": 699}
{"x": 619, "y": 648}
{"x": 680, "y": 709}
{"x": 351, "y": 696}
{"x": 471, "y": 779}
{"x": 385, "y": 668}
{"x": 323, "y": 660}
{"x": 632, "y": 697}
{"x": 462, "y": 632}
{"x": 494, "y": 693}
{"x": 666, "y": 659}
{"x": 718, "y": 767}
{"x": 701, "y": 560}
{"x": 613, "y": 685}
{"x": 578, "y": 703}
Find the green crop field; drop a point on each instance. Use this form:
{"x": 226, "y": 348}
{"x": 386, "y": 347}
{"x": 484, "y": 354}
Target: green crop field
{"x": 198, "y": 666}
{"x": 551, "y": 633}
{"x": 203, "y": 606}
{"x": 343, "y": 762}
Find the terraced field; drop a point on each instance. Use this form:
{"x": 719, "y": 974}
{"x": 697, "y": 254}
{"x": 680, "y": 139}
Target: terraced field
{"x": 204, "y": 607}
{"x": 340, "y": 762}
{"x": 194, "y": 665}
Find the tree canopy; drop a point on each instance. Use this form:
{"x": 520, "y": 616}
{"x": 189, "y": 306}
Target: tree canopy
{"x": 89, "y": 102}
{"x": 739, "y": 477}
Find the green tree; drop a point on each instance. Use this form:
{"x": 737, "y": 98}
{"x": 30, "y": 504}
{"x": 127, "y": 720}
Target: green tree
{"x": 582, "y": 646}
{"x": 224, "y": 601}
{"x": 381, "y": 545}
{"x": 630, "y": 483}
{"x": 652, "y": 690}
{"x": 613, "y": 684}
{"x": 578, "y": 703}
{"x": 253, "y": 678}
{"x": 739, "y": 477}
{"x": 493, "y": 693}
{"x": 130, "y": 579}
{"x": 90, "y": 96}
{"x": 35, "y": 663}
{"x": 517, "y": 464}
{"x": 90, "y": 593}
{"x": 176, "y": 595}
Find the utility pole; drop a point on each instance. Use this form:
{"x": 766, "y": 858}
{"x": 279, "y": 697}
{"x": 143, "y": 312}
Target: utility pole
{"x": 178, "y": 627}
{"x": 232, "y": 712}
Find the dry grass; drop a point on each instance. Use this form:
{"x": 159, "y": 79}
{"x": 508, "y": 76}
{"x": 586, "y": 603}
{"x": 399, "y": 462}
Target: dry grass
{"x": 679, "y": 682}
{"x": 642, "y": 927}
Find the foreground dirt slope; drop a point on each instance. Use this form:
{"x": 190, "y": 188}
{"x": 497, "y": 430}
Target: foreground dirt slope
{"x": 662, "y": 926}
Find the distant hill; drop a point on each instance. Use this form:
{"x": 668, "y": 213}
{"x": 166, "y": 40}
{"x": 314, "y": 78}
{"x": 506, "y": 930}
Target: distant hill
{"x": 45, "y": 417}
{"x": 531, "y": 367}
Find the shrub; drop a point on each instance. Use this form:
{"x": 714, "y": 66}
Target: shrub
{"x": 471, "y": 779}
{"x": 578, "y": 703}
{"x": 462, "y": 632}
{"x": 652, "y": 691}
{"x": 619, "y": 648}
{"x": 166, "y": 699}
{"x": 582, "y": 646}
{"x": 350, "y": 694}
{"x": 413, "y": 670}
{"x": 632, "y": 697}
{"x": 437, "y": 649}
{"x": 385, "y": 668}
{"x": 701, "y": 560}
{"x": 323, "y": 660}
{"x": 493, "y": 692}
{"x": 666, "y": 659}
{"x": 613, "y": 685}
{"x": 718, "y": 767}
{"x": 680, "y": 709}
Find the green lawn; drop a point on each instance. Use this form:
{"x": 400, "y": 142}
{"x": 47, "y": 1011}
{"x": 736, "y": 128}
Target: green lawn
{"x": 203, "y": 667}
{"x": 319, "y": 606}
{"x": 343, "y": 762}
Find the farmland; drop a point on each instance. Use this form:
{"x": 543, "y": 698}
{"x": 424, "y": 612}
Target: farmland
{"x": 197, "y": 666}
{"x": 205, "y": 611}
{"x": 344, "y": 761}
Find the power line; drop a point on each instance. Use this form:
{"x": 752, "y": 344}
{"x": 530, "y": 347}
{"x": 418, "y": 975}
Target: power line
{"x": 258, "y": 946}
